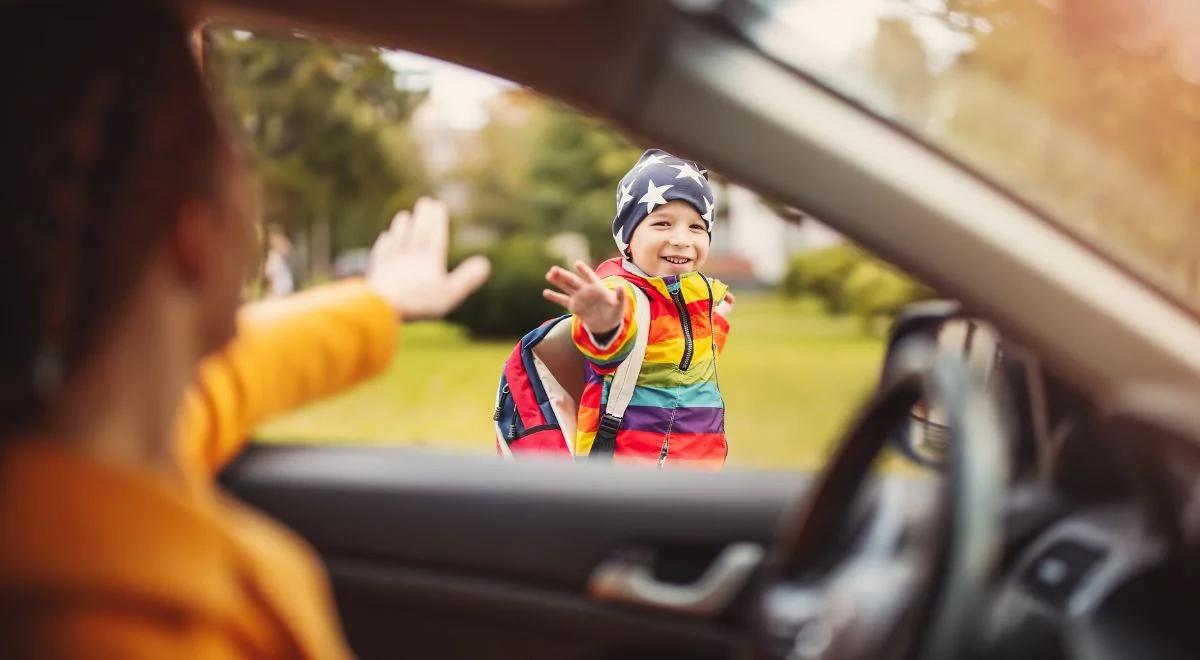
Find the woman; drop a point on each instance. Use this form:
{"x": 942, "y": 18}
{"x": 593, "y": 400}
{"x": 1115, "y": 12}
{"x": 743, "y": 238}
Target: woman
{"x": 125, "y": 219}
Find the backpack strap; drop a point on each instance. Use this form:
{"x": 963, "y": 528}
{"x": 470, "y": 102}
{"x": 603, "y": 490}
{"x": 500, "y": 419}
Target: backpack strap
{"x": 624, "y": 381}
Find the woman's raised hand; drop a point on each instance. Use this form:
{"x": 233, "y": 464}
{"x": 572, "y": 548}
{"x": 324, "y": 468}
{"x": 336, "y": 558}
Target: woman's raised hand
{"x": 407, "y": 266}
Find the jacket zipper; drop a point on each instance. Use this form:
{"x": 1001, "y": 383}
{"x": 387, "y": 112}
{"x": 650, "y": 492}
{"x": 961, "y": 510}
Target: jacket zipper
{"x": 666, "y": 445}
{"x": 685, "y": 321}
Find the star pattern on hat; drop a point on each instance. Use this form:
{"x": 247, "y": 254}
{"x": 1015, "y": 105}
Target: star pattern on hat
{"x": 686, "y": 170}
{"x": 625, "y": 196}
{"x": 689, "y": 184}
{"x": 654, "y": 195}
{"x": 650, "y": 160}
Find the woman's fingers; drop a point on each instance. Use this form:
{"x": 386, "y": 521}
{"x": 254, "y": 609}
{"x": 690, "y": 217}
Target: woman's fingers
{"x": 557, "y": 298}
{"x": 387, "y": 241}
{"x": 465, "y": 279}
{"x": 400, "y": 230}
{"x": 430, "y": 226}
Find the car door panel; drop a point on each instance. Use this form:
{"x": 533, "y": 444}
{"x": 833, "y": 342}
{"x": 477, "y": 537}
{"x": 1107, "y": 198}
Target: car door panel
{"x": 467, "y": 556}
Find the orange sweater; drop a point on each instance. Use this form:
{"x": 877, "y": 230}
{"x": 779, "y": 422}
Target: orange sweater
{"x": 105, "y": 561}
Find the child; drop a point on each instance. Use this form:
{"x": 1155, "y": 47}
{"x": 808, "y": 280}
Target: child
{"x": 662, "y": 227}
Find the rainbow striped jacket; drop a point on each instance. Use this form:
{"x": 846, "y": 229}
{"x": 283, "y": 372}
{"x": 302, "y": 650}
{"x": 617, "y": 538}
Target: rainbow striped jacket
{"x": 677, "y": 414}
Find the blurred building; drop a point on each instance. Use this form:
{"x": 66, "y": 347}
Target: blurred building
{"x": 753, "y": 240}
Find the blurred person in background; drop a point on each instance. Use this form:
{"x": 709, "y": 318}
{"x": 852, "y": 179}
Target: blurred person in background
{"x": 277, "y": 273}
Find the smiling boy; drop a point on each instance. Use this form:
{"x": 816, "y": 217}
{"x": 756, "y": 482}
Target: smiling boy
{"x": 663, "y": 227}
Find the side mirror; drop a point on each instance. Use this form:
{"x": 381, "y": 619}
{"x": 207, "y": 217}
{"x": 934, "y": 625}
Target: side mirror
{"x": 924, "y": 438}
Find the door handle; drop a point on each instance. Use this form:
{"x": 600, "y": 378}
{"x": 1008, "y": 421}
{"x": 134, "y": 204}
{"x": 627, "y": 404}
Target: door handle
{"x": 630, "y": 579}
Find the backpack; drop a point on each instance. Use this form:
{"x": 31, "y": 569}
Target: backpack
{"x": 541, "y": 384}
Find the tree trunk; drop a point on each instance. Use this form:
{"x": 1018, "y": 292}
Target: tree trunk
{"x": 320, "y": 247}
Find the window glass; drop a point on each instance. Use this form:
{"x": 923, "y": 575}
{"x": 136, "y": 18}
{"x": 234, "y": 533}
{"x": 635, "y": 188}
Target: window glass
{"x": 1084, "y": 109}
{"x": 342, "y": 137}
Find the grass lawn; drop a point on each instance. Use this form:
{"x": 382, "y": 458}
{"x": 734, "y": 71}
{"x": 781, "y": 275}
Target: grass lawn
{"x": 791, "y": 378}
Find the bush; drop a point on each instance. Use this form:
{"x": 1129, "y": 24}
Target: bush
{"x": 876, "y": 292}
{"x": 848, "y": 280}
{"x": 510, "y": 303}
{"x": 823, "y": 274}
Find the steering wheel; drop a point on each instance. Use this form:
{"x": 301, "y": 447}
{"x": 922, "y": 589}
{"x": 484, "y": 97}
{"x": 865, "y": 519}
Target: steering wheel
{"x": 861, "y": 573}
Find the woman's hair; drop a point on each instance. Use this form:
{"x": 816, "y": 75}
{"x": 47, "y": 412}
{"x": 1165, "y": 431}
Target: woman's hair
{"x": 106, "y": 134}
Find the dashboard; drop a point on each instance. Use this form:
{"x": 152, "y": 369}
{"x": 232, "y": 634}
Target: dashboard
{"x": 1114, "y": 573}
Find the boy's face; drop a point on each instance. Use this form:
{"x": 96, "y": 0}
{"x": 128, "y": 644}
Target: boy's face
{"x": 672, "y": 240}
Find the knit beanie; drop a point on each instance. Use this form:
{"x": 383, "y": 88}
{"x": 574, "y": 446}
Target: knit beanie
{"x": 658, "y": 178}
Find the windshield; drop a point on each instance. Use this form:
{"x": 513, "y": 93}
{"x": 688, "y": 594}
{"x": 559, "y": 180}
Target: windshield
{"x": 1086, "y": 109}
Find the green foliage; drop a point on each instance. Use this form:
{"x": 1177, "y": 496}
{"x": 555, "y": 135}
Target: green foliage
{"x": 497, "y": 178}
{"x": 510, "y": 303}
{"x": 543, "y": 169}
{"x": 327, "y": 127}
{"x": 823, "y": 273}
{"x": 848, "y": 280}
{"x": 576, "y": 166}
{"x": 876, "y": 291}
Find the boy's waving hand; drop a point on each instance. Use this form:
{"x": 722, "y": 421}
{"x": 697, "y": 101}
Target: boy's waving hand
{"x": 585, "y": 295}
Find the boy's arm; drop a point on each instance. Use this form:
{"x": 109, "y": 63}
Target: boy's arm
{"x": 608, "y": 355}
{"x": 720, "y": 329}
{"x": 287, "y": 352}
{"x": 721, "y": 312}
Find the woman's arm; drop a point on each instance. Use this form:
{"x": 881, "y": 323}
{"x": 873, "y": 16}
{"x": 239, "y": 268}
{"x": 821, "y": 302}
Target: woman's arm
{"x": 288, "y": 352}
{"x": 291, "y": 351}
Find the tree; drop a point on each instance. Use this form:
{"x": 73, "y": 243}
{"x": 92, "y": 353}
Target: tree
{"x": 846, "y": 279}
{"x": 544, "y": 169}
{"x": 576, "y": 165}
{"x": 510, "y": 303}
{"x": 327, "y": 127}
{"x": 497, "y": 177}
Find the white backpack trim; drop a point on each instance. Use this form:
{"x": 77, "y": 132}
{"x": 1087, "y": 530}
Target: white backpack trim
{"x": 624, "y": 381}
